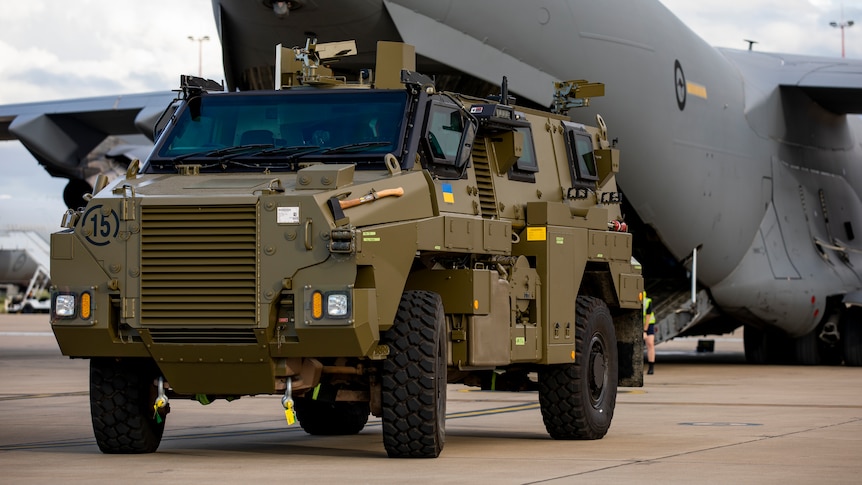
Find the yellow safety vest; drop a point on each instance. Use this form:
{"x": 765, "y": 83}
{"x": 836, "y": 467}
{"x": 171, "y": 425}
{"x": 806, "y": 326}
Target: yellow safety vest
{"x": 647, "y": 303}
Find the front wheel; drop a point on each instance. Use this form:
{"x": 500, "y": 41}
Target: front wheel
{"x": 122, "y": 394}
{"x": 413, "y": 379}
{"x": 577, "y": 400}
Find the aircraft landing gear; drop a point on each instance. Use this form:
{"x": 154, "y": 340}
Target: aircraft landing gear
{"x": 851, "y": 336}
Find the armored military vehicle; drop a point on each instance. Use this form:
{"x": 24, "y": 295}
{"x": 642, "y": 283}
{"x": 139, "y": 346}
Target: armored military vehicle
{"x": 352, "y": 246}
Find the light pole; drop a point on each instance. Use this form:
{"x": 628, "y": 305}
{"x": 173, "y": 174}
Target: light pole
{"x": 200, "y": 41}
{"x": 841, "y": 25}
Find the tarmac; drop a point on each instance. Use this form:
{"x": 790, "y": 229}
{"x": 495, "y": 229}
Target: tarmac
{"x": 703, "y": 417}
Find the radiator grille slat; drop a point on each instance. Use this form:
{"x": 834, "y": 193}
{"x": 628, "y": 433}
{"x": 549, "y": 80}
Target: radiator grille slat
{"x": 194, "y": 336}
{"x": 198, "y": 269}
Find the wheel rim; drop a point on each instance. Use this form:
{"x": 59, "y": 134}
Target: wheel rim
{"x": 598, "y": 371}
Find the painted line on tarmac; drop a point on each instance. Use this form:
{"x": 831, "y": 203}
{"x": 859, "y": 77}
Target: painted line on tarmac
{"x": 40, "y": 396}
{"x": 487, "y": 412}
{"x": 72, "y": 443}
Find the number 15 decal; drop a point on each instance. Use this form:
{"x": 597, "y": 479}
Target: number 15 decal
{"x": 99, "y": 228}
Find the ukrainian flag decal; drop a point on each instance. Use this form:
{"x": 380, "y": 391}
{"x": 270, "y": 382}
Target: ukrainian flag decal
{"x": 448, "y": 196}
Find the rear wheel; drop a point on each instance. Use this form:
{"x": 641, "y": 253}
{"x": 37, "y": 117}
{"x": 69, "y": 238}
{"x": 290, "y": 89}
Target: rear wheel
{"x": 122, "y": 394}
{"x": 331, "y": 418}
{"x": 413, "y": 379}
{"x": 578, "y": 399}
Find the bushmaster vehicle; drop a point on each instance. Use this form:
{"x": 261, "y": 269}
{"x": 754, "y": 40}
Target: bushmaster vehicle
{"x": 352, "y": 247}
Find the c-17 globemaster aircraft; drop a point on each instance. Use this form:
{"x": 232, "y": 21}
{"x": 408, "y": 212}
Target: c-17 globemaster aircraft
{"x": 742, "y": 168}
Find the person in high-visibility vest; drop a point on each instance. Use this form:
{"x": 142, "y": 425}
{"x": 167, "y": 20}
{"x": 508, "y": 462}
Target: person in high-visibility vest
{"x": 649, "y": 332}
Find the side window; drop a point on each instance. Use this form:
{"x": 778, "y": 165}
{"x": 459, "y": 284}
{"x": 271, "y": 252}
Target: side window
{"x": 582, "y": 164}
{"x": 526, "y": 167}
{"x": 444, "y": 132}
{"x": 448, "y": 139}
{"x": 586, "y": 162}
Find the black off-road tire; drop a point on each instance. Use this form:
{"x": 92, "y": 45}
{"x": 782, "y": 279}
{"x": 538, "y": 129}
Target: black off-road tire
{"x": 326, "y": 418}
{"x": 122, "y": 394}
{"x": 413, "y": 379}
{"x": 578, "y": 399}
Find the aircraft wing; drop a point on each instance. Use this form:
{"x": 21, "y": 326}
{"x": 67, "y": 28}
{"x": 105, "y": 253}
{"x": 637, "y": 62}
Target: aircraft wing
{"x": 833, "y": 83}
{"x": 438, "y": 41}
{"x": 836, "y": 87}
{"x": 60, "y": 134}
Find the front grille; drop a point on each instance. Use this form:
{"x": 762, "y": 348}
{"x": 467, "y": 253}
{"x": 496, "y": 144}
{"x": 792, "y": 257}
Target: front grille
{"x": 198, "y": 266}
{"x": 203, "y": 336}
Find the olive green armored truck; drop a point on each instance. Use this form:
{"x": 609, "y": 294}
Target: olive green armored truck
{"x": 352, "y": 246}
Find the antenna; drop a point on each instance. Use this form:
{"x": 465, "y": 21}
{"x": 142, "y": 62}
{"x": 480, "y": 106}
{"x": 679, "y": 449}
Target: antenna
{"x": 504, "y": 91}
{"x": 750, "y": 43}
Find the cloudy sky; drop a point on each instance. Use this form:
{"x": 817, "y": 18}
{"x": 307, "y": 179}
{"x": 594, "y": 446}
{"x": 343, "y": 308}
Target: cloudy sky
{"x": 60, "y": 50}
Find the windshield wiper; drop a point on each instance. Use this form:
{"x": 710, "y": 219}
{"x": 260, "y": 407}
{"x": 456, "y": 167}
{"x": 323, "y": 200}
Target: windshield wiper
{"x": 300, "y": 151}
{"x": 356, "y": 147}
{"x": 226, "y": 151}
{"x": 292, "y": 150}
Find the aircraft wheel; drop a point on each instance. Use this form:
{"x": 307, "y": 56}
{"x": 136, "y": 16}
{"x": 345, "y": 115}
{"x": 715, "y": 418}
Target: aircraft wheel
{"x": 28, "y": 308}
{"x": 577, "y": 399}
{"x": 122, "y": 394}
{"x": 759, "y": 347}
{"x": 331, "y": 418}
{"x": 413, "y": 380}
{"x": 851, "y": 337}
{"x": 807, "y": 349}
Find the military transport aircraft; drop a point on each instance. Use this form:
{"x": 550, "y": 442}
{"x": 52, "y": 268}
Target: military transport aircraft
{"x": 741, "y": 170}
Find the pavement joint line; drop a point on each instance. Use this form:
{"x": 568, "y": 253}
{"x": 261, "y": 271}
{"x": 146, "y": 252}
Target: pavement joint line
{"x": 692, "y": 452}
{"x": 743, "y": 405}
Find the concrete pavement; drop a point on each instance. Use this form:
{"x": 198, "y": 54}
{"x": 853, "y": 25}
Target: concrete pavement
{"x": 704, "y": 418}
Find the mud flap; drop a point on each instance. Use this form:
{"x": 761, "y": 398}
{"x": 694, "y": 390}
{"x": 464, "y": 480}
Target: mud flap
{"x": 630, "y": 347}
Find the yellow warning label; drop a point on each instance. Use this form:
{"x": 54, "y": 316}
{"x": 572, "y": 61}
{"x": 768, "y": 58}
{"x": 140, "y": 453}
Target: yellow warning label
{"x": 537, "y": 233}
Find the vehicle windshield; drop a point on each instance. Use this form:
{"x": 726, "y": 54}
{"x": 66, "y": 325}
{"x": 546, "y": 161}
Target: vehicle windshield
{"x": 268, "y": 127}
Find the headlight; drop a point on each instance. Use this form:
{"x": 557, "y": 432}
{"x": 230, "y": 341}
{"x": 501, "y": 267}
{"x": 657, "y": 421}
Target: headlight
{"x": 336, "y": 305}
{"x": 64, "y": 306}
